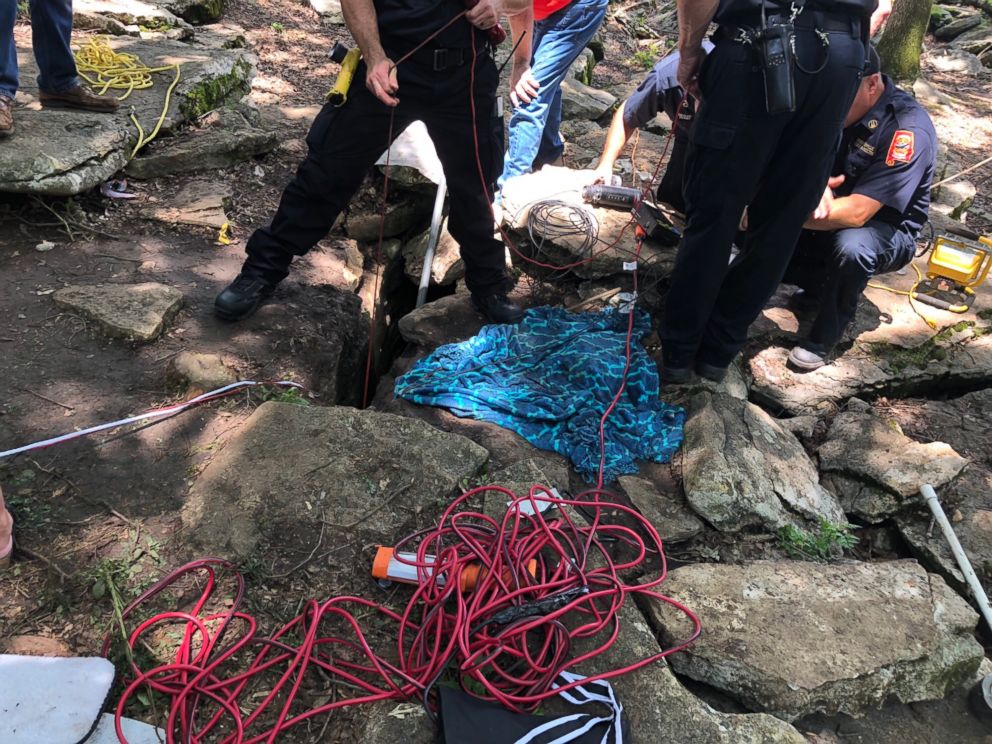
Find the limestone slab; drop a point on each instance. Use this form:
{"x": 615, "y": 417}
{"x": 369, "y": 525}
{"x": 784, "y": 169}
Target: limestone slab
{"x": 742, "y": 469}
{"x": 200, "y": 202}
{"x": 291, "y": 463}
{"x": 580, "y": 101}
{"x": 135, "y": 312}
{"x": 615, "y": 244}
{"x": 447, "y": 266}
{"x": 659, "y": 707}
{"x": 200, "y": 150}
{"x": 953, "y": 360}
{"x": 792, "y": 638}
{"x": 62, "y": 153}
{"x": 673, "y": 519}
{"x": 876, "y": 470}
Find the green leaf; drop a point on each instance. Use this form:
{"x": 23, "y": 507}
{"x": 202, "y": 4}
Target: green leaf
{"x": 99, "y": 589}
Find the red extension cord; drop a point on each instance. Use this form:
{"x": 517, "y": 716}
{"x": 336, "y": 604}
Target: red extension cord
{"x": 506, "y": 641}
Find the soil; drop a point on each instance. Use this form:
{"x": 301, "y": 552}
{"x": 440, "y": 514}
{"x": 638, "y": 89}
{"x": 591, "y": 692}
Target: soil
{"x": 105, "y": 508}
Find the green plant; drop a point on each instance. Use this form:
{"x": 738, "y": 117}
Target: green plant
{"x": 278, "y": 27}
{"x": 828, "y": 542}
{"x": 644, "y": 58}
{"x": 285, "y": 395}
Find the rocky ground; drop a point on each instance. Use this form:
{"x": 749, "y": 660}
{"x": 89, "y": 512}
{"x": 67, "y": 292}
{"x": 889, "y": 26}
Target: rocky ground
{"x": 105, "y": 310}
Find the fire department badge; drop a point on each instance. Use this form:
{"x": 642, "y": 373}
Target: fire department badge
{"x": 901, "y": 149}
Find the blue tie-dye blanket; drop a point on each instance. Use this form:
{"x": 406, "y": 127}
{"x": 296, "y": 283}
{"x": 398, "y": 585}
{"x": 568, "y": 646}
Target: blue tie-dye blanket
{"x": 550, "y": 379}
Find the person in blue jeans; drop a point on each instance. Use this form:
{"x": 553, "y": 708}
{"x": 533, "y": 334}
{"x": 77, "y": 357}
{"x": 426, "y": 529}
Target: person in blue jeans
{"x": 58, "y": 84}
{"x": 554, "y": 33}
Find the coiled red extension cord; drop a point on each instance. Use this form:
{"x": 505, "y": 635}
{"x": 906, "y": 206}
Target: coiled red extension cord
{"x": 546, "y": 584}
{"x": 506, "y": 641}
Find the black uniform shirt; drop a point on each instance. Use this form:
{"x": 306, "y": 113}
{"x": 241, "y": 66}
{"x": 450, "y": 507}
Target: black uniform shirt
{"x": 890, "y": 155}
{"x": 403, "y": 24}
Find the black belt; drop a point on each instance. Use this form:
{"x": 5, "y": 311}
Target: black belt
{"x": 811, "y": 19}
{"x": 442, "y": 59}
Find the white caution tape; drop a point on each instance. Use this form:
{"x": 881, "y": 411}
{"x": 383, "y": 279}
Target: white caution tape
{"x": 154, "y": 414}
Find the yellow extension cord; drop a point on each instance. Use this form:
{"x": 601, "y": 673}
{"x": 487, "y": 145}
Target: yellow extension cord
{"x": 909, "y": 294}
{"x": 105, "y": 69}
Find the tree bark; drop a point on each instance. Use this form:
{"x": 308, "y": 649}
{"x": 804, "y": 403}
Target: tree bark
{"x": 902, "y": 39}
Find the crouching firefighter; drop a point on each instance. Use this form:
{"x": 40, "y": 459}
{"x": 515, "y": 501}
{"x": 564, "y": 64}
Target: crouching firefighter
{"x": 433, "y": 85}
{"x": 775, "y": 91}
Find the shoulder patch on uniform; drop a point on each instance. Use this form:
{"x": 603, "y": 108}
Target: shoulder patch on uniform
{"x": 901, "y": 149}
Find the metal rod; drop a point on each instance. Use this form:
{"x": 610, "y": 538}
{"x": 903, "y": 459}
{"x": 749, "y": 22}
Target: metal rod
{"x": 432, "y": 238}
{"x": 959, "y": 555}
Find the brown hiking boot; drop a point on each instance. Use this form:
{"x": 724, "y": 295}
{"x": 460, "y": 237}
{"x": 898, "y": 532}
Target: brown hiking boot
{"x": 79, "y": 97}
{"x": 6, "y": 116}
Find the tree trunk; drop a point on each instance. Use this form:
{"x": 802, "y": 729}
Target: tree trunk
{"x": 902, "y": 39}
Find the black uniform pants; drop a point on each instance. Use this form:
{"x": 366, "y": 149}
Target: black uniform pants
{"x": 776, "y": 165}
{"x": 835, "y": 267}
{"x": 345, "y": 142}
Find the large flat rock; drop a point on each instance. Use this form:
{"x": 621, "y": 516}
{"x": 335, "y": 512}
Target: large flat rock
{"x": 792, "y": 638}
{"x": 742, "y": 469}
{"x": 659, "y": 708}
{"x": 958, "y": 356}
{"x": 152, "y": 15}
{"x": 230, "y": 141}
{"x": 61, "y": 153}
{"x": 614, "y": 244}
{"x": 888, "y": 349}
{"x": 656, "y": 705}
{"x": 876, "y": 470}
{"x": 134, "y": 312}
{"x": 291, "y": 464}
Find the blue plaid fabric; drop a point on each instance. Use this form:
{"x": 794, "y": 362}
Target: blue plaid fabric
{"x": 550, "y": 379}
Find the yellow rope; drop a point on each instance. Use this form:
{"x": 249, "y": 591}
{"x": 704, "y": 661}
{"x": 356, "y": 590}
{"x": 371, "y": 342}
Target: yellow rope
{"x": 909, "y": 294}
{"x": 105, "y": 69}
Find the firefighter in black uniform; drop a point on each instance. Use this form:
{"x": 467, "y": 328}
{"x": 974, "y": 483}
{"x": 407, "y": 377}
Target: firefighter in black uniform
{"x": 870, "y": 213}
{"x": 433, "y": 86}
{"x": 764, "y": 137}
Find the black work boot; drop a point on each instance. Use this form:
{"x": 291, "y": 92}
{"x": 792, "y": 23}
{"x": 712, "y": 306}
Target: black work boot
{"x": 711, "y": 371}
{"x": 498, "y": 308}
{"x": 675, "y": 375}
{"x": 242, "y": 297}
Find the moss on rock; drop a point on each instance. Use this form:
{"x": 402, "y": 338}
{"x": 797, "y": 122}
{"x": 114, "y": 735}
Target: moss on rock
{"x": 216, "y": 90}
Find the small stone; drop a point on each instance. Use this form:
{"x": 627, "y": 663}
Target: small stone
{"x": 135, "y": 312}
{"x": 44, "y": 246}
{"x": 31, "y": 645}
{"x": 199, "y": 372}
{"x": 200, "y": 203}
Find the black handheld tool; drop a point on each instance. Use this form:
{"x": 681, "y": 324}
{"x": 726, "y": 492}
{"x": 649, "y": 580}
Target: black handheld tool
{"x": 618, "y": 197}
